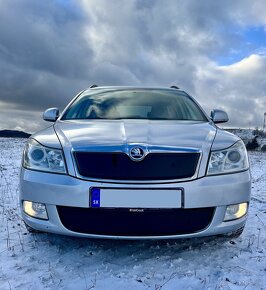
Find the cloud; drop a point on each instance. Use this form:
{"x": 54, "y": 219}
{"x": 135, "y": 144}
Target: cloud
{"x": 50, "y": 50}
{"x": 24, "y": 120}
{"x": 239, "y": 88}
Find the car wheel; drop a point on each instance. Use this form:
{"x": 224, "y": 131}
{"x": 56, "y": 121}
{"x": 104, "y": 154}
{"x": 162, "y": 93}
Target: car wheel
{"x": 30, "y": 229}
{"x": 236, "y": 233}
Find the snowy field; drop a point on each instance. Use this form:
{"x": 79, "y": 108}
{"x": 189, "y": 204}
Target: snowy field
{"x": 46, "y": 261}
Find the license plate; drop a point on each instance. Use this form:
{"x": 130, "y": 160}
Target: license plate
{"x": 135, "y": 198}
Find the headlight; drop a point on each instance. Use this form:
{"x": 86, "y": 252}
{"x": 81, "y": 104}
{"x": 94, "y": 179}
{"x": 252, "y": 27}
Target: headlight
{"x": 229, "y": 160}
{"x": 43, "y": 158}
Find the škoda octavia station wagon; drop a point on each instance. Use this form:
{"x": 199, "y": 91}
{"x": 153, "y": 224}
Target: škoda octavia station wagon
{"x": 135, "y": 163}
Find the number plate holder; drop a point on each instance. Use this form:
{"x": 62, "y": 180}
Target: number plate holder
{"x": 135, "y": 198}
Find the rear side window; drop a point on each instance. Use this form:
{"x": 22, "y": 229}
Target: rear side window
{"x": 135, "y": 104}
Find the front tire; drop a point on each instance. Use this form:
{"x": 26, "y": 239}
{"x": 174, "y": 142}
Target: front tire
{"x": 236, "y": 234}
{"x": 31, "y": 230}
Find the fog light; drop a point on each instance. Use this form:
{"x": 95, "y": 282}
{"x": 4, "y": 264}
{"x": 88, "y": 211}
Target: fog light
{"x": 235, "y": 211}
{"x": 35, "y": 209}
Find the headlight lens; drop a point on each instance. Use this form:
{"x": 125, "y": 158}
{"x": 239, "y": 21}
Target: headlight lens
{"x": 229, "y": 160}
{"x": 43, "y": 158}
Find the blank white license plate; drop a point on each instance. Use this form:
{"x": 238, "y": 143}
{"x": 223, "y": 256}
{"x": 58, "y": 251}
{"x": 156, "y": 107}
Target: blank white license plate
{"x": 135, "y": 198}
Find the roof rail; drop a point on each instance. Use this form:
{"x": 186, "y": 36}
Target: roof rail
{"x": 93, "y": 86}
{"x": 175, "y": 87}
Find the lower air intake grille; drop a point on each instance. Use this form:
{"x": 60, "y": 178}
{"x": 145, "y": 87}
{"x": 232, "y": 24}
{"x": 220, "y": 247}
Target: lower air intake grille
{"x": 122, "y": 222}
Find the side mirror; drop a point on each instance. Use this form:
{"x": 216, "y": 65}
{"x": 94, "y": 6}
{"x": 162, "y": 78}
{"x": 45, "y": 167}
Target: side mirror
{"x": 51, "y": 114}
{"x": 219, "y": 116}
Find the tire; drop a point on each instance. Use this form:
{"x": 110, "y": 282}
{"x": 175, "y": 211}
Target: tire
{"x": 31, "y": 230}
{"x": 236, "y": 234}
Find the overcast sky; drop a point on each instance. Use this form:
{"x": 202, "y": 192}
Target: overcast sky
{"x": 51, "y": 50}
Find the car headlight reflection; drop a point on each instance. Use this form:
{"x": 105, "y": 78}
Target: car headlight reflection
{"x": 42, "y": 158}
{"x": 232, "y": 159}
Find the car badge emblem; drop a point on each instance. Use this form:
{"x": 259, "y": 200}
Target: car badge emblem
{"x": 136, "y": 210}
{"x": 136, "y": 154}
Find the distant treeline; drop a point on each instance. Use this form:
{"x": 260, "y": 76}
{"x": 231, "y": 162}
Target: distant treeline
{"x": 253, "y": 139}
{"x": 14, "y": 134}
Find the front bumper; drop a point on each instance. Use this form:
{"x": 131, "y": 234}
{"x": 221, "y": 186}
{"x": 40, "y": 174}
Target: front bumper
{"x": 62, "y": 190}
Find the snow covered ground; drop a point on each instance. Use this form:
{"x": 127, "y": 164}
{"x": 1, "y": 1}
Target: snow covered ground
{"x": 46, "y": 261}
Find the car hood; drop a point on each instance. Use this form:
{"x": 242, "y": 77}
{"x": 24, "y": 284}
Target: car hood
{"x": 84, "y": 134}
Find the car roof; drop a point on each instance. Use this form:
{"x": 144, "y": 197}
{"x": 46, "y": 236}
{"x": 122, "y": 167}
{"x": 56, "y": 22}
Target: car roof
{"x": 131, "y": 88}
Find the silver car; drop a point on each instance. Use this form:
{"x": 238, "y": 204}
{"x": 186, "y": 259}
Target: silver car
{"x": 135, "y": 163}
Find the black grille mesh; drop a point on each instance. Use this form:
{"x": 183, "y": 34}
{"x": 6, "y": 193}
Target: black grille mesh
{"x": 118, "y": 166}
{"x": 123, "y": 222}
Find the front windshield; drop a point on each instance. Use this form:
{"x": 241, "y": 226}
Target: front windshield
{"x": 134, "y": 104}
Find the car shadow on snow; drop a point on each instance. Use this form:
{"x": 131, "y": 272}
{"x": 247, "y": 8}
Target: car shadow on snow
{"x": 179, "y": 245}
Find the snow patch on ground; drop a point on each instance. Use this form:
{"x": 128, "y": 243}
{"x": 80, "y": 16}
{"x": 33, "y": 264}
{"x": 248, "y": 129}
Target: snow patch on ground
{"x": 46, "y": 261}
